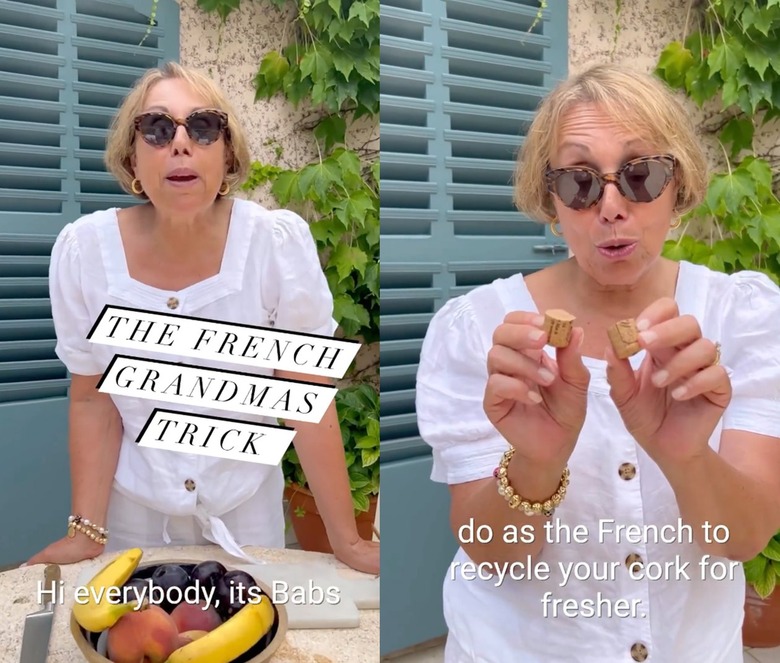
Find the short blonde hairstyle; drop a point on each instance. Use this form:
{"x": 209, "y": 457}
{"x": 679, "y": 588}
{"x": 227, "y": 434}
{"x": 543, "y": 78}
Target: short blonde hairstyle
{"x": 120, "y": 142}
{"x": 636, "y": 101}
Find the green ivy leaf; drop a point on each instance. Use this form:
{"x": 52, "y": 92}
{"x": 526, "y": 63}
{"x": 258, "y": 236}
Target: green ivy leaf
{"x": 315, "y": 64}
{"x": 223, "y": 8}
{"x": 770, "y": 217}
{"x": 757, "y": 58}
{"x": 346, "y": 309}
{"x": 359, "y": 11}
{"x": 761, "y": 172}
{"x": 273, "y": 68}
{"x": 726, "y": 192}
{"x": 726, "y": 58}
{"x": 726, "y": 251}
{"x": 347, "y": 258}
{"x": 371, "y": 278}
{"x": 285, "y": 187}
{"x": 673, "y": 64}
{"x": 738, "y": 132}
{"x": 701, "y": 85}
{"x": 760, "y": 19}
{"x": 316, "y": 179}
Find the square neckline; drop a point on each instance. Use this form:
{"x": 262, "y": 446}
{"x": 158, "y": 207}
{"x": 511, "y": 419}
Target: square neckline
{"x": 228, "y": 262}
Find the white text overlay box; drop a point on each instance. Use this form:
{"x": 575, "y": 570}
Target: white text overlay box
{"x": 210, "y": 388}
{"x": 223, "y": 341}
{"x": 216, "y": 436}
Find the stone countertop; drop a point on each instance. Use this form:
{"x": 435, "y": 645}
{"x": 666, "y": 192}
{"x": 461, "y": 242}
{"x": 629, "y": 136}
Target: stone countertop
{"x": 18, "y": 598}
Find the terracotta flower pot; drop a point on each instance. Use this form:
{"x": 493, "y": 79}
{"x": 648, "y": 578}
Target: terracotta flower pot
{"x": 309, "y": 528}
{"x": 761, "y": 627}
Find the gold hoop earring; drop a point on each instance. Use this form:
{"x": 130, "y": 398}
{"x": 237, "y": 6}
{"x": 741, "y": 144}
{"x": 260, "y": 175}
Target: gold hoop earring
{"x": 136, "y": 187}
{"x": 676, "y": 224}
{"x": 224, "y": 190}
{"x": 555, "y": 231}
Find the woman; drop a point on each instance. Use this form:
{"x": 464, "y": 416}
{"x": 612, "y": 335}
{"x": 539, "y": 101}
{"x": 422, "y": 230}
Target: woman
{"x": 676, "y": 435}
{"x": 188, "y": 249}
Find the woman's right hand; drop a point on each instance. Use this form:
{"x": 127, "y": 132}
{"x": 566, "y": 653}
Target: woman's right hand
{"x": 67, "y": 551}
{"x": 537, "y": 404}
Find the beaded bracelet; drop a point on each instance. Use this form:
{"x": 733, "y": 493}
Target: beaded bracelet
{"x": 83, "y": 525}
{"x": 546, "y": 508}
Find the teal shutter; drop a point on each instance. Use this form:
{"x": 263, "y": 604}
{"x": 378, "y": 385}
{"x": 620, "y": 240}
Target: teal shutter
{"x": 460, "y": 82}
{"x": 65, "y": 65}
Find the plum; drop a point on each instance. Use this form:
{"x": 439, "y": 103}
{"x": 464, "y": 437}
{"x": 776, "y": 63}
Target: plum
{"x": 170, "y": 578}
{"x": 206, "y": 574}
{"x": 232, "y": 592}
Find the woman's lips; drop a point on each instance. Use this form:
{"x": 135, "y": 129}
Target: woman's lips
{"x": 617, "y": 252}
{"x": 181, "y": 180}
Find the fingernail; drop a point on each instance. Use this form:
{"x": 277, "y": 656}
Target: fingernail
{"x": 546, "y": 376}
{"x": 648, "y": 337}
{"x": 536, "y": 398}
{"x": 538, "y": 320}
{"x": 679, "y": 392}
{"x": 660, "y": 378}
{"x": 536, "y": 334}
{"x": 643, "y": 324}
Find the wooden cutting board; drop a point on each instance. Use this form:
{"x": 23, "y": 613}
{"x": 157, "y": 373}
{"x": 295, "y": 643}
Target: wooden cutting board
{"x": 318, "y": 596}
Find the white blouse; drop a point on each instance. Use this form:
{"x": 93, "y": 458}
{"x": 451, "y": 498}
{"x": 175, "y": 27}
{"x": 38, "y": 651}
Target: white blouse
{"x": 270, "y": 276}
{"x": 613, "y": 483}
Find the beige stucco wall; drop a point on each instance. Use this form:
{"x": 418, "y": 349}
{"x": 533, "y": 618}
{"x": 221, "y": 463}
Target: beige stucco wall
{"x": 231, "y": 55}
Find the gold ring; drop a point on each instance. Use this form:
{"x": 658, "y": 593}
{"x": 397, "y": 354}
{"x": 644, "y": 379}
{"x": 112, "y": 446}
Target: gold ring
{"x": 717, "y": 354}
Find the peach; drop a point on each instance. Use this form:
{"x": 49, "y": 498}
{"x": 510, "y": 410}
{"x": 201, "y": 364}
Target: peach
{"x": 143, "y": 636}
{"x": 195, "y": 617}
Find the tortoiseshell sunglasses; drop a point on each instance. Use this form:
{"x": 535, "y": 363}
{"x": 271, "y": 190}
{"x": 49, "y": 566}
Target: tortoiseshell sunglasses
{"x": 640, "y": 180}
{"x": 203, "y": 126}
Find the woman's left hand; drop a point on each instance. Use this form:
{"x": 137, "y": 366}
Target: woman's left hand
{"x": 672, "y": 404}
{"x": 359, "y": 554}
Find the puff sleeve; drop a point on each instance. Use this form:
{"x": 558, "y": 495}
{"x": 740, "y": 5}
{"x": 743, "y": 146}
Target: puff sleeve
{"x": 451, "y": 381}
{"x": 72, "y": 321}
{"x": 301, "y": 299}
{"x": 751, "y": 353}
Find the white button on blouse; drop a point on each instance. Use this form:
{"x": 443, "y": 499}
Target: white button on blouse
{"x": 612, "y": 480}
{"x": 270, "y": 276}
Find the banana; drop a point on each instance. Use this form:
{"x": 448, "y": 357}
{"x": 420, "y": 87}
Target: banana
{"x": 95, "y": 612}
{"x": 231, "y": 638}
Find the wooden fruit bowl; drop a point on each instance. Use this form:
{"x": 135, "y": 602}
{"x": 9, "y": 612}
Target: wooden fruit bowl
{"x": 91, "y": 643}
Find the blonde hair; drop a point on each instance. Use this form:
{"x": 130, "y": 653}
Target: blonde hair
{"x": 121, "y": 137}
{"x": 635, "y": 101}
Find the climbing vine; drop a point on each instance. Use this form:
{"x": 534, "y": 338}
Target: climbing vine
{"x": 331, "y": 67}
{"x": 332, "y": 64}
{"x": 725, "y": 66}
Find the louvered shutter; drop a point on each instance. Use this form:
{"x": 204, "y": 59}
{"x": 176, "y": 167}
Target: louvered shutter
{"x": 460, "y": 81}
{"x": 65, "y": 66}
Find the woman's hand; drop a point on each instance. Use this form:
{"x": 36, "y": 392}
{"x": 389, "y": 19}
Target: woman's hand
{"x": 360, "y": 555}
{"x": 537, "y": 404}
{"x": 67, "y": 551}
{"x": 672, "y": 404}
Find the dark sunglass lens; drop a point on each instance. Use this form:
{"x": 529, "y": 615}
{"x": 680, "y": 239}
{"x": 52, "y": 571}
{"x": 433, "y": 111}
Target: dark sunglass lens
{"x": 157, "y": 129}
{"x": 577, "y": 189}
{"x": 644, "y": 181}
{"x": 204, "y": 128}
